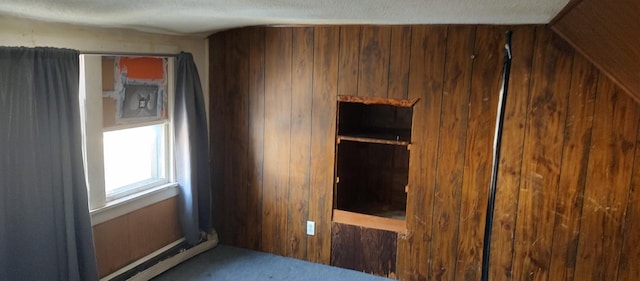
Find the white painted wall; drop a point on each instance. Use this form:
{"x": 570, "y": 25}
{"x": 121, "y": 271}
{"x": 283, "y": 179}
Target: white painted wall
{"x": 30, "y": 33}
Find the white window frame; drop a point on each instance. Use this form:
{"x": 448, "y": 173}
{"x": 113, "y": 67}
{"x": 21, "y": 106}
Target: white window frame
{"x": 105, "y": 207}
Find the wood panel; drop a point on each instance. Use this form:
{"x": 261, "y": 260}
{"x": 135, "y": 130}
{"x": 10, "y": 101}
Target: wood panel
{"x": 428, "y": 48}
{"x": 630, "y": 256}
{"x": 153, "y": 227}
{"x": 217, "y": 133}
{"x": 277, "y": 138}
{"x": 323, "y": 128}
{"x": 399, "y": 62}
{"x": 485, "y": 78}
{"x": 452, "y": 141}
{"x": 111, "y": 240}
{"x": 125, "y": 239}
{"x": 301, "y": 99}
{"x": 608, "y": 34}
{"x": 373, "y": 68}
{"x": 553, "y": 161}
{"x": 575, "y": 157}
{"x": 349, "y": 59}
{"x": 255, "y": 152}
{"x": 542, "y": 157}
{"x": 364, "y": 249}
{"x": 236, "y": 139}
{"x": 511, "y": 154}
{"x": 610, "y": 165}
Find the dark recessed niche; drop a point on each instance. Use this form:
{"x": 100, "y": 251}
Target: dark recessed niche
{"x": 372, "y": 178}
{"x": 372, "y": 164}
{"x": 375, "y": 121}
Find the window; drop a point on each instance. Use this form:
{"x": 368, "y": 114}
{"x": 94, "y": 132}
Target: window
{"x": 134, "y": 159}
{"x": 127, "y": 130}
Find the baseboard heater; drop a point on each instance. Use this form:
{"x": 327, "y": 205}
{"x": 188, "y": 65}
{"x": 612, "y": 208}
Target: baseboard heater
{"x": 161, "y": 260}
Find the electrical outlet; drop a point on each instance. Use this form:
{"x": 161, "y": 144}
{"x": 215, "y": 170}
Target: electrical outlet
{"x": 311, "y": 228}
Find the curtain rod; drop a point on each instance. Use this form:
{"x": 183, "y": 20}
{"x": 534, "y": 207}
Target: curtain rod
{"x": 125, "y": 54}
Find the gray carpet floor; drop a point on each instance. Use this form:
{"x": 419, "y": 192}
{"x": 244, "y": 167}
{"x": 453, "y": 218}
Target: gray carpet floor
{"x": 230, "y": 263}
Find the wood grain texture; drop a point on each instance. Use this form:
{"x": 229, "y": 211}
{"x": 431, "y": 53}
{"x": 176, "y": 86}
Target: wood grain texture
{"x": 608, "y": 34}
{"x": 575, "y": 158}
{"x": 542, "y": 157}
{"x": 630, "y": 256}
{"x": 545, "y": 227}
{"x": 111, "y": 240}
{"x": 344, "y": 245}
{"x": 217, "y": 132}
{"x": 373, "y": 68}
{"x": 451, "y": 148}
{"x": 255, "y": 148}
{"x": 237, "y": 121}
{"x": 349, "y": 59}
{"x": 375, "y": 100}
{"x": 399, "y": 61}
{"x": 428, "y": 49}
{"x": 323, "y": 128}
{"x": 610, "y": 165}
{"x": 511, "y": 154}
{"x": 153, "y": 227}
{"x": 125, "y": 239}
{"x": 277, "y": 139}
{"x": 485, "y": 82}
{"x": 364, "y": 249}
{"x": 300, "y": 154}
{"x": 368, "y": 221}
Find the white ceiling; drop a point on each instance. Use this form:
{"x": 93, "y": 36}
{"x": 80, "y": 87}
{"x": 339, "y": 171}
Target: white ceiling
{"x": 203, "y": 17}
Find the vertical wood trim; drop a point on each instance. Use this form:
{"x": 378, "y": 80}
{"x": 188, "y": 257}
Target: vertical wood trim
{"x": 610, "y": 163}
{"x": 277, "y": 139}
{"x": 217, "y": 131}
{"x": 373, "y": 69}
{"x": 428, "y": 46}
{"x": 575, "y": 158}
{"x": 451, "y": 148}
{"x": 542, "y": 156}
{"x": 323, "y": 127}
{"x": 255, "y": 149}
{"x": 399, "y": 62}
{"x": 301, "y": 108}
{"x": 511, "y": 154}
{"x": 349, "y": 58}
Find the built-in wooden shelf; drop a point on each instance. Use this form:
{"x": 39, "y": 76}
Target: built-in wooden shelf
{"x": 369, "y": 221}
{"x": 368, "y": 139}
{"x": 374, "y": 100}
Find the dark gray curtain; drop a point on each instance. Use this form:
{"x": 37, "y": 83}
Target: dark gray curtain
{"x": 191, "y": 151}
{"x": 45, "y": 228}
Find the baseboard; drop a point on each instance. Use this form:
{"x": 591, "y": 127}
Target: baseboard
{"x": 164, "y": 265}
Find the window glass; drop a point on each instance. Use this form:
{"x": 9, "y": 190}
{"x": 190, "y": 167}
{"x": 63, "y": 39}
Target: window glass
{"x": 133, "y": 157}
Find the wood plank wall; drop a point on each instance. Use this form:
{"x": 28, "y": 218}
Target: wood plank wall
{"x": 567, "y": 194}
{"x": 608, "y": 34}
{"x": 127, "y": 238}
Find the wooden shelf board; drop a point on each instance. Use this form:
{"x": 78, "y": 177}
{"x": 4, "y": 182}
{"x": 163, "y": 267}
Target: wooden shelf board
{"x": 374, "y": 100}
{"x": 371, "y": 140}
{"x": 369, "y": 221}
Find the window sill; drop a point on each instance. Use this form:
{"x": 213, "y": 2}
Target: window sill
{"x": 128, "y": 204}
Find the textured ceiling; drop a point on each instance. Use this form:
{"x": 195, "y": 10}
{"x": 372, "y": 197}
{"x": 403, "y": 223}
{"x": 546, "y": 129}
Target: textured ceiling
{"x": 202, "y": 17}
